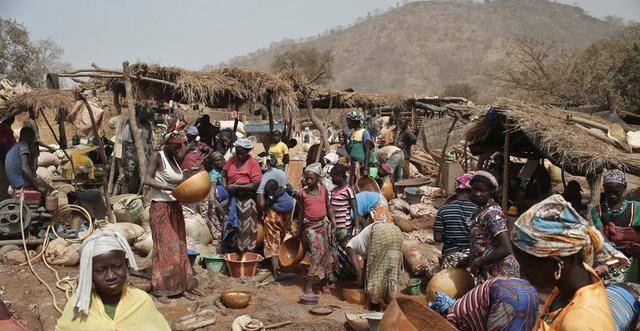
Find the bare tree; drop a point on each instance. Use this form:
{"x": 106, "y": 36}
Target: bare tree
{"x": 314, "y": 64}
{"x": 464, "y": 89}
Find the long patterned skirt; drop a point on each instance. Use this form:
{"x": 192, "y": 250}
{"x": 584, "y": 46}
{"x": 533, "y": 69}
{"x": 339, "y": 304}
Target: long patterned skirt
{"x": 275, "y": 229}
{"x": 384, "y": 261}
{"x": 172, "y": 274}
{"x": 342, "y": 267}
{"x": 247, "y": 212}
{"x": 316, "y": 240}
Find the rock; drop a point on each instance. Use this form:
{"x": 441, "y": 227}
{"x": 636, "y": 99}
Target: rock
{"x": 8, "y": 248}
{"x": 15, "y": 257}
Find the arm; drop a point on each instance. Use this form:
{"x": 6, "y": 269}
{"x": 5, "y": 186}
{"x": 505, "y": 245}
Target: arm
{"x": 353, "y": 257}
{"x": 31, "y": 175}
{"x": 368, "y": 146}
{"x": 332, "y": 218}
{"x": 300, "y": 213}
{"x": 285, "y": 159}
{"x": 356, "y": 216}
{"x": 438, "y": 228}
{"x": 501, "y": 250}
{"x": 152, "y": 167}
{"x": 437, "y": 236}
{"x": 261, "y": 203}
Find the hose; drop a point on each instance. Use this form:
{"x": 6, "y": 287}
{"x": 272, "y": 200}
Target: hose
{"x": 81, "y": 210}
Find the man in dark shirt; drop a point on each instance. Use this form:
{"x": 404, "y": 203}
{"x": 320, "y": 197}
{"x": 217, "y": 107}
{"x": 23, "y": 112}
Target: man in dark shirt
{"x": 407, "y": 139}
{"x": 207, "y": 131}
{"x": 450, "y": 226}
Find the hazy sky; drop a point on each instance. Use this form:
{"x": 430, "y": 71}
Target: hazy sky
{"x": 194, "y": 33}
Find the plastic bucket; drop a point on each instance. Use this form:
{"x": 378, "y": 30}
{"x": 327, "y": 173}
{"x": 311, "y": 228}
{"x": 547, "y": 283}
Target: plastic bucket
{"x": 192, "y": 256}
{"x": 414, "y": 286}
{"x": 214, "y": 262}
{"x": 247, "y": 267}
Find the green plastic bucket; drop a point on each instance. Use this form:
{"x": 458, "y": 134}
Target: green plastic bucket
{"x": 214, "y": 262}
{"x": 414, "y": 286}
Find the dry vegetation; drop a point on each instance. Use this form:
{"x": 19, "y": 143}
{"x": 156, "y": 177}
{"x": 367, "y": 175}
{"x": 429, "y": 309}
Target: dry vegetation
{"x": 422, "y": 47}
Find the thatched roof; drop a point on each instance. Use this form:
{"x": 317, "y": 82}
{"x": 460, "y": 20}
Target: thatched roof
{"x": 38, "y": 100}
{"x": 349, "y": 99}
{"x": 544, "y": 131}
{"x": 217, "y": 88}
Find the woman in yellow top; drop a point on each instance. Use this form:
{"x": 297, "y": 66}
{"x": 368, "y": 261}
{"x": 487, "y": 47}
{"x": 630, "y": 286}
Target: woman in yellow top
{"x": 103, "y": 301}
{"x": 279, "y": 150}
{"x": 554, "y": 247}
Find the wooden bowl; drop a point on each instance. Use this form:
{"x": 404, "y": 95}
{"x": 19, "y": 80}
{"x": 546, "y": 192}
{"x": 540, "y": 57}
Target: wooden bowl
{"x": 235, "y": 299}
{"x": 357, "y": 321}
{"x": 291, "y": 252}
{"x": 404, "y": 314}
{"x": 194, "y": 189}
{"x": 367, "y": 184}
{"x": 454, "y": 282}
{"x": 354, "y": 295}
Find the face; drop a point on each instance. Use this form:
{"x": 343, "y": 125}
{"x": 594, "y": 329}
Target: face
{"x": 242, "y": 153}
{"x": 172, "y": 149}
{"x": 613, "y": 192}
{"x": 271, "y": 188}
{"x": 226, "y": 141}
{"x": 219, "y": 162}
{"x": 341, "y": 139}
{"x": 480, "y": 193}
{"x": 311, "y": 178}
{"x": 352, "y": 124}
{"x": 538, "y": 271}
{"x": 276, "y": 138}
{"x": 109, "y": 272}
{"x": 337, "y": 180}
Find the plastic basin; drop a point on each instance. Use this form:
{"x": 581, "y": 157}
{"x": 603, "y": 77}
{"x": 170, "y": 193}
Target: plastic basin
{"x": 247, "y": 267}
{"x": 214, "y": 262}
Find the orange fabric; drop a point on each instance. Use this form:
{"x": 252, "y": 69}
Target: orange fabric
{"x": 587, "y": 310}
{"x": 275, "y": 226}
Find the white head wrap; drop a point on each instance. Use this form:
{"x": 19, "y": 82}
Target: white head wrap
{"x": 332, "y": 158}
{"x": 244, "y": 143}
{"x": 315, "y": 168}
{"x": 97, "y": 244}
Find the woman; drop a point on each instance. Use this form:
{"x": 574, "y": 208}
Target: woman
{"x": 172, "y": 274}
{"x": 330, "y": 160}
{"x": 624, "y": 304}
{"x": 241, "y": 176}
{"x": 508, "y": 304}
{"x": 619, "y": 220}
{"x": 551, "y": 242}
{"x": 317, "y": 228}
{"x": 450, "y": 226}
{"x": 360, "y": 146}
{"x": 103, "y": 300}
{"x": 373, "y": 207}
{"x": 381, "y": 244}
{"x": 489, "y": 253}
{"x": 343, "y": 203}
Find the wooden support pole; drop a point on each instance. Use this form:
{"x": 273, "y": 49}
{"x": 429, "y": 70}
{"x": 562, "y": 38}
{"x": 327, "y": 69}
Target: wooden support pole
{"x": 116, "y": 101}
{"x": 103, "y": 157}
{"x": 505, "y": 171}
{"x": 318, "y": 123}
{"x": 60, "y": 118}
{"x": 133, "y": 123}
{"x": 53, "y": 133}
{"x": 444, "y": 148}
{"x": 595, "y": 188}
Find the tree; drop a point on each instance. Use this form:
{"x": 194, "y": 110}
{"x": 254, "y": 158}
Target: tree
{"x": 312, "y": 63}
{"x": 26, "y": 61}
{"x": 463, "y": 89}
{"x": 627, "y": 80}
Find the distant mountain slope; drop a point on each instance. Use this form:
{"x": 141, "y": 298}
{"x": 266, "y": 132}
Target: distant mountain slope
{"x": 423, "y": 46}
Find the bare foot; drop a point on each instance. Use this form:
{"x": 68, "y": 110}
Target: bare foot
{"x": 196, "y": 292}
{"x": 188, "y": 296}
{"x": 163, "y": 300}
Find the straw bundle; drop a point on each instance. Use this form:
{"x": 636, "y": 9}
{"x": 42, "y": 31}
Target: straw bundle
{"x": 38, "y": 100}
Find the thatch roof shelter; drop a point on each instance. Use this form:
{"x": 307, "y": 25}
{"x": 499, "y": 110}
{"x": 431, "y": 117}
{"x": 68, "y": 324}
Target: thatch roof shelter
{"x": 216, "y": 88}
{"x": 548, "y": 132}
{"x": 38, "y": 100}
{"x": 350, "y": 99}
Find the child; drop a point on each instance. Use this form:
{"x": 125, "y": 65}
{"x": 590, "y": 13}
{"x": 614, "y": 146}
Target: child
{"x": 279, "y": 150}
{"x": 316, "y": 231}
{"x": 343, "y": 202}
{"x": 217, "y": 198}
{"x": 277, "y": 219}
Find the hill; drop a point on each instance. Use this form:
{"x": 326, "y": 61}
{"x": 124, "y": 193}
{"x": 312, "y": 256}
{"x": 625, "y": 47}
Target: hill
{"x": 423, "y": 46}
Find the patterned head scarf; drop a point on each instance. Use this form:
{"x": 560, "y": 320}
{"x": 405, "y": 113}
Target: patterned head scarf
{"x": 244, "y": 143}
{"x": 486, "y": 175}
{"x": 98, "y": 244}
{"x": 463, "y": 181}
{"x": 553, "y": 228}
{"x": 174, "y": 137}
{"x": 614, "y": 176}
{"x": 355, "y": 116}
{"x": 315, "y": 168}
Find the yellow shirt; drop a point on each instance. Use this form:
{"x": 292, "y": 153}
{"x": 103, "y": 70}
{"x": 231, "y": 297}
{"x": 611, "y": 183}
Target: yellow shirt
{"x": 279, "y": 150}
{"x": 587, "y": 310}
{"x": 135, "y": 312}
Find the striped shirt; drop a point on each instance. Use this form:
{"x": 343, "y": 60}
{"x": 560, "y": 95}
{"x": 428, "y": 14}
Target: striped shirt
{"x": 451, "y": 222}
{"x": 624, "y": 306}
{"x": 341, "y": 206}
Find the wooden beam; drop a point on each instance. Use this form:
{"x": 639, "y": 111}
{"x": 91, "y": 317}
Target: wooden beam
{"x": 505, "y": 171}
{"x": 133, "y": 123}
{"x": 60, "y": 118}
{"x": 53, "y": 133}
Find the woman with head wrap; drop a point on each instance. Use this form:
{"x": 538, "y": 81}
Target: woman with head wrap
{"x": 552, "y": 243}
{"x": 103, "y": 300}
{"x": 619, "y": 219}
{"x": 489, "y": 252}
{"x": 172, "y": 274}
{"x": 241, "y": 176}
{"x": 450, "y": 226}
{"x": 317, "y": 226}
{"x": 193, "y": 153}
{"x": 330, "y": 160}
{"x": 359, "y": 146}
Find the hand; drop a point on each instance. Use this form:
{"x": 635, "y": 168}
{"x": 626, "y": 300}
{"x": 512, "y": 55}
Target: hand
{"x": 359, "y": 277}
{"x": 464, "y": 263}
{"x": 474, "y": 267}
{"x": 602, "y": 270}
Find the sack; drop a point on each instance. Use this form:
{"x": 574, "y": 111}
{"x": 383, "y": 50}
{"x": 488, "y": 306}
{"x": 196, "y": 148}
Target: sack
{"x": 61, "y": 252}
{"x": 422, "y": 210}
{"x": 400, "y": 205}
{"x": 196, "y": 227}
{"x": 46, "y": 159}
{"x": 143, "y": 245}
{"x": 129, "y": 230}
{"x": 420, "y": 258}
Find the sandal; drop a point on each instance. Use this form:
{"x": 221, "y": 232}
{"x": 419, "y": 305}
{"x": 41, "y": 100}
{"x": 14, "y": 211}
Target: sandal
{"x": 188, "y": 296}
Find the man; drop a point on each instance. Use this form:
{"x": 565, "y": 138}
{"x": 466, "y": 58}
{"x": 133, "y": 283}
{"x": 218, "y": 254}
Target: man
{"x": 394, "y": 158}
{"x": 279, "y": 150}
{"x": 207, "y": 131}
{"x": 22, "y": 161}
{"x": 450, "y": 226}
{"x": 129, "y": 177}
{"x": 407, "y": 139}
{"x": 7, "y": 140}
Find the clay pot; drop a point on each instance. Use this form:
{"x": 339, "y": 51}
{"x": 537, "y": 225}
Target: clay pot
{"x": 387, "y": 190}
{"x": 247, "y": 267}
{"x": 404, "y": 223}
{"x": 235, "y": 299}
{"x": 404, "y": 314}
{"x": 354, "y": 295}
{"x": 291, "y": 252}
{"x": 194, "y": 189}
{"x": 367, "y": 184}
{"x": 454, "y": 282}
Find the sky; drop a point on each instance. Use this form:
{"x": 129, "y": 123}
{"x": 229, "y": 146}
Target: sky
{"x": 195, "y": 33}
